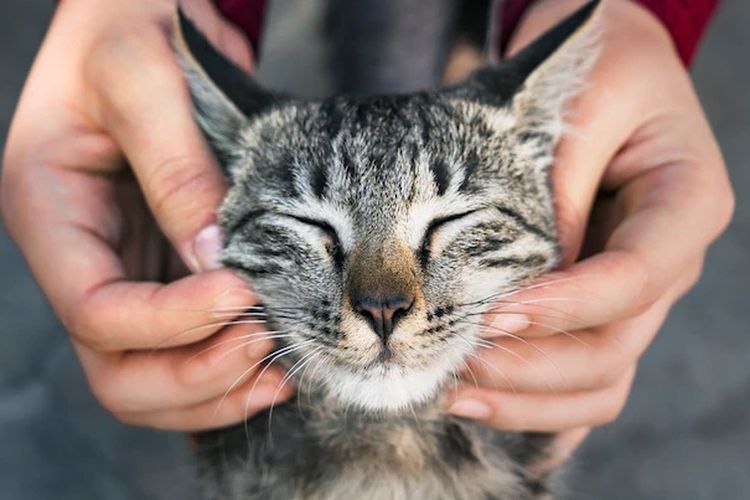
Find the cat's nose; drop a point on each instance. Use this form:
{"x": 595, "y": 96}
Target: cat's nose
{"x": 383, "y": 314}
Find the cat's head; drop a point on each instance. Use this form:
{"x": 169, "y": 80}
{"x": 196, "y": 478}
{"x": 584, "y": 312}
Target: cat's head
{"x": 377, "y": 230}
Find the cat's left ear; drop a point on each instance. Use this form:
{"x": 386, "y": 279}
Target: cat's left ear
{"x": 225, "y": 97}
{"x": 535, "y": 84}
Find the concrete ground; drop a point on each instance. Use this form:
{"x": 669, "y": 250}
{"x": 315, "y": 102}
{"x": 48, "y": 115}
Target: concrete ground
{"x": 685, "y": 433}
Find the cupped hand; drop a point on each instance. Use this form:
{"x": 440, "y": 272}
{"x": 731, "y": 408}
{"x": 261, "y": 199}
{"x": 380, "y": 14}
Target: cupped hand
{"x": 102, "y": 158}
{"x": 641, "y": 153}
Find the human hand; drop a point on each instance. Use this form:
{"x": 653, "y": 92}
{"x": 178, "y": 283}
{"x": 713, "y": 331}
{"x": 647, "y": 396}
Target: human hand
{"x": 567, "y": 349}
{"x": 103, "y": 138}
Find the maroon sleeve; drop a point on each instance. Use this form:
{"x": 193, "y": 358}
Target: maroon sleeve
{"x": 686, "y": 21}
{"x": 247, "y": 15}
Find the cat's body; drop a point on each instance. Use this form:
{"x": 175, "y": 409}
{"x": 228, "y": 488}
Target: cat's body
{"x": 313, "y": 452}
{"x": 377, "y": 231}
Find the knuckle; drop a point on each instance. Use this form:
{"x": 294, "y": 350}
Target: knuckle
{"x": 176, "y": 179}
{"x": 104, "y": 391}
{"x": 727, "y": 206}
{"x": 7, "y": 180}
{"x": 123, "y": 46}
{"x": 193, "y": 373}
{"x": 609, "y": 413}
{"x": 20, "y": 196}
{"x": 717, "y": 196}
{"x": 79, "y": 324}
{"x": 692, "y": 276}
{"x": 131, "y": 49}
{"x": 82, "y": 325}
{"x": 642, "y": 282}
{"x": 611, "y": 368}
{"x": 615, "y": 404}
{"x": 127, "y": 418}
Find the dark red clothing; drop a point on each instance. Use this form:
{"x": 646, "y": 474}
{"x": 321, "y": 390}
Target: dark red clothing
{"x": 686, "y": 20}
{"x": 247, "y": 15}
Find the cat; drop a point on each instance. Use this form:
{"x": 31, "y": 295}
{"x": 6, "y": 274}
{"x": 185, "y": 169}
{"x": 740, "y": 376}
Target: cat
{"x": 376, "y": 231}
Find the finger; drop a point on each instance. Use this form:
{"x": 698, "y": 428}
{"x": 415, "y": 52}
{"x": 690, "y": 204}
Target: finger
{"x": 243, "y": 403}
{"x": 581, "y": 361}
{"x": 542, "y": 412}
{"x": 68, "y": 235}
{"x": 584, "y": 154}
{"x": 150, "y": 117}
{"x": 127, "y": 315}
{"x": 563, "y": 447}
{"x": 177, "y": 377}
{"x": 224, "y": 36}
{"x": 607, "y": 287}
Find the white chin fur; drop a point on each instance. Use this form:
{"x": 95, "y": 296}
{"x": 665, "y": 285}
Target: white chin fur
{"x": 387, "y": 389}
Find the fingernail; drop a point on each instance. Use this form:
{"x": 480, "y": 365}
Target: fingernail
{"x": 207, "y": 248}
{"x": 507, "y": 323}
{"x": 471, "y": 408}
{"x": 232, "y": 301}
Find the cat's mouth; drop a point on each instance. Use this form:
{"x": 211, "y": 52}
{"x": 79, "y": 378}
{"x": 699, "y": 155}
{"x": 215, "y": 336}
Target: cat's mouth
{"x": 390, "y": 381}
{"x": 385, "y": 356}
{"x": 385, "y": 387}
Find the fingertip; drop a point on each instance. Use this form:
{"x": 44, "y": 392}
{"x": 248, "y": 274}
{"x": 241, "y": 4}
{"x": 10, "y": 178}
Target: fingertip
{"x": 271, "y": 387}
{"x": 259, "y": 348}
{"x": 471, "y": 408}
{"x": 502, "y": 323}
{"x": 232, "y": 300}
{"x": 204, "y": 252}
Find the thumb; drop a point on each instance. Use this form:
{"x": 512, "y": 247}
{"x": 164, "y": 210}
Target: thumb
{"x": 150, "y": 118}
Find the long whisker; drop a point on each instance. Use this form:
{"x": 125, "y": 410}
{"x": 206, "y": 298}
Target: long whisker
{"x": 487, "y": 364}
{"x": 267, "y": 334}
{"x": 273, "y": 356}
{"x": 533, "y": 286}
{"x": 469, "y": 352}
{"x": 324, "y": 358}
{"x": 242, "y": 314}
{"x": 523, "y": 341}
{"x": 548, "y": 326}
{"x": 214, "y": 325}
{"x": 256, "y": 307}
{"x": 562, "y": 331}
{"x": 254, "y": 341}
{"x": 276, "y": 356}
{"x": 303, "y": 361}
{"x": 494, "y": 345}
{"x": 497, "y": 306}
{"x": 546, "y": 283}
{"x": 303, "y": 377}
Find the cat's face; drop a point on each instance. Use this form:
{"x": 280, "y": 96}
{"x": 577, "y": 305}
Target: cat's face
{"x": 376, "y": 231}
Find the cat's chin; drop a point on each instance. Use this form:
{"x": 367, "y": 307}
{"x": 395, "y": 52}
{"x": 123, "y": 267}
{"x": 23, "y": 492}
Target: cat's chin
{"x": 387, "y": 389}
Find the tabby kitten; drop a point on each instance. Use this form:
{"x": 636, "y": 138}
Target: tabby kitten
{"x": 376, "y": 230}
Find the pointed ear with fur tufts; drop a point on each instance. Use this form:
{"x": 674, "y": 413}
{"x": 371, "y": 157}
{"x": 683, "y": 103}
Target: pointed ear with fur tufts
{"x": 225, "y": 98}
{"x": 535, "y": 84}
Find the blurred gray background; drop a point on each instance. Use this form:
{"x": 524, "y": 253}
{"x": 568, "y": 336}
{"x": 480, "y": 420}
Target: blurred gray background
{"x": 685, "y": 433}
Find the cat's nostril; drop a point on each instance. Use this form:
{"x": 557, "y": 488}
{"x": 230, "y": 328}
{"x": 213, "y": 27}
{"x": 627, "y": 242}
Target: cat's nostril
{"x": 383, "y": 314}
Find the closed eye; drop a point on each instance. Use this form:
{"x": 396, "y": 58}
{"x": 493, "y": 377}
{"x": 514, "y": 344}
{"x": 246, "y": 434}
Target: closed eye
{"x": 424, "y": 250}
{"x": 335, "y": 249}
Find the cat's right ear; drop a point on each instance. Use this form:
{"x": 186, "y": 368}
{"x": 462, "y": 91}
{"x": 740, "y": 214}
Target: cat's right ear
{"x": 225, "y": 98}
